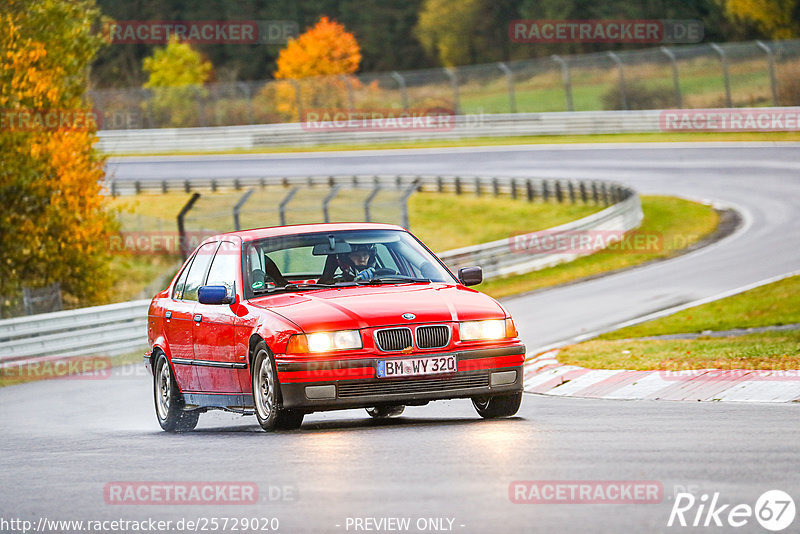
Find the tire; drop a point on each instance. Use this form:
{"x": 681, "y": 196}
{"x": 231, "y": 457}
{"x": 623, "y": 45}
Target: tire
{"x": 497, "y": 405}
{"x": 266, "y": 394}
{"x": 169, "y": 401}
{"x": 384, "y": 412}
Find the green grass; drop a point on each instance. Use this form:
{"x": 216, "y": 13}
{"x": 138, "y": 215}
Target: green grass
{"x": 679, "y": 222}
{"x": 767, "y": 350}
{"x": 521, "y": 140}
{"x": 773, "y": 304}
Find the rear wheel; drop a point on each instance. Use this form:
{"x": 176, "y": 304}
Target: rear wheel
{"x": 490, "y": 407}
{"x": 169, "y": 401}
{"x": 382, "y": 412}
{"x": 266, "y": 394}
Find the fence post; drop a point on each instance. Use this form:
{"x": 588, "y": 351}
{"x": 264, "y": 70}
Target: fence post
{"x": 723, "y": 59}
{"x": 451, "y": 73}
{"x": 285, "y": 202}
{"x": 238, "y": 208}
{"x": 402, "y": 83}
{"x": 530, "y": 190}
{"x": 369, "y": 199}
{"x": 404, "y": 202}
{"x": 545, "y": 191}
{"x": 675, "y": 80}
{"x": 495, "y": 187}
{"x": 325, "y": 214}
{"x": 566, "y": 79}
{"x": 350, "y": 101}
{"x": 514, "y": 188}
{"x": 621, "y": 70}
{"x": 773, "y": 80}
{"x": 512, "y": 97}
{"x": 458, "y": 185}
{"x": 477, "y": 186}
{"x": 182, "y": 228}
{"x": 298, "y": 100}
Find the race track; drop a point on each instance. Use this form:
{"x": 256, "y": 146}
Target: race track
{"x": 65, "y": 440}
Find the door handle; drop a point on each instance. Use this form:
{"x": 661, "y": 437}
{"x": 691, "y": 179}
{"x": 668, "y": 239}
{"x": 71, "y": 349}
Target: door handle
{"x": 168, "y": 315}
{"x": 198, "y": 318}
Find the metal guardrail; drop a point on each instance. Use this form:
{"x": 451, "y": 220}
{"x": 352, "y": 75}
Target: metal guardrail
{"x": 120, "y": 328}
{"x": 223, "y": 138}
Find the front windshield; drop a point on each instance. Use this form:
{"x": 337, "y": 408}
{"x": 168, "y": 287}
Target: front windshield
{"x": 339, "y": 258}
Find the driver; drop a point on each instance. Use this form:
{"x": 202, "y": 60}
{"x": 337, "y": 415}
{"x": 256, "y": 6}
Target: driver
{"x": 359, "y": 264}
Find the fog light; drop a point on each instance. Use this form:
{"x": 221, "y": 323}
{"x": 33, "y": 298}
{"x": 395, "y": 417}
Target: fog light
{"x": 321, "y": 392}
{"x": 502, "y": 378}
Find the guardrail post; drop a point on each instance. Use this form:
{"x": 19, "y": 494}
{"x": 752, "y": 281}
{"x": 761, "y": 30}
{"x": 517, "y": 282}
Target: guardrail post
{"x": 595, "y": 194}
{"x": 773, "y": 80}
{"x": 545, "y": 191}
{"x": 439, "y": 184}
{"x": 565, "y": 77}
{"x": 584, "y": 196}
{"x": 237, "y": 185}
{"x": 559, "y": 193}
{"x": 477, "y": 186}
{"x": 401, "y": 82}
{"x": 369, "y": 199}
{"x": 723, "y": 59}
{"x": 325, "y": 214}
{"x": 458, "y": 185}
{"x": 182, "y": 228}
{"x": 675, "y": 80}
{"x": 285, "y": 202}
{"x": 114, "y": 191}
{"x": 213, "y": 185}
{"x": 571, "y": 188}
{"x": 451, "y": 73}
{"x": 514, "y": 188}
{"x": 604, "y": 190}
{"x": 512, "y": 97}
{"x": 238, "y": 208}
{"x": 495, "y": 187}
{"x": 404, "y": 202}
{"x": 163, "y": 186}
{"x": 137, "y": 186}
{"x": 531, "y": 192}
{"x": 621, "y": 70}
{"x": 187, "y": 186}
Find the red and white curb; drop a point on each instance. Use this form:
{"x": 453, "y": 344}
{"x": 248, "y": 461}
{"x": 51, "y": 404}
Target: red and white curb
{"x": 546, "y": 375}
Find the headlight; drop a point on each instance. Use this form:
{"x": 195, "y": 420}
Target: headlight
{"x": 324, "y": 341}
{"x": 492, "y": 329}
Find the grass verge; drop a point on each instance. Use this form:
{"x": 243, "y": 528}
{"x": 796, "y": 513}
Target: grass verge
{"x": 777, "y": 303}
{"x": 766, "y": 350}
{"x": 679, "y": 223}
{"x": 99, "y": 368}
{"x": 500, "y": 141}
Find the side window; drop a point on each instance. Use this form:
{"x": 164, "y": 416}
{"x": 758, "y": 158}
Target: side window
{"x": 224, "y": 267}
{"x": 179, "y": 285}
{"x": 197, "y": 271}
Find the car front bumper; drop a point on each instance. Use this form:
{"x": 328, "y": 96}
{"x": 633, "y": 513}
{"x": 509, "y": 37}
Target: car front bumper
{"x": 337, "y": 384}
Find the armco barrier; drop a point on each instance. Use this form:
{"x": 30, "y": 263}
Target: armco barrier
{"x": 120, "y": 328}
{"x": 221, "y": 138}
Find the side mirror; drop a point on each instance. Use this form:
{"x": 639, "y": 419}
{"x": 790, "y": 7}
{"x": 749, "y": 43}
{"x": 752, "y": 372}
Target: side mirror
{"x": 470, "y": 276}
{"x": 216, "y": 295}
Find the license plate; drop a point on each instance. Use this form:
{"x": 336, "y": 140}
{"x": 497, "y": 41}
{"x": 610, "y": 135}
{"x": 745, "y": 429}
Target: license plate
{"x": 432, "y": 365}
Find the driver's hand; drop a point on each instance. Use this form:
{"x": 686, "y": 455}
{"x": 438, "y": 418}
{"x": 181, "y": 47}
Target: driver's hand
{"x": 366, "y": 274}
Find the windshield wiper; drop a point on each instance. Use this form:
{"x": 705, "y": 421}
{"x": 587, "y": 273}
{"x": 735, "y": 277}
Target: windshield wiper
{"x": 301, "y": 287}
{"x": 392, "y": 279}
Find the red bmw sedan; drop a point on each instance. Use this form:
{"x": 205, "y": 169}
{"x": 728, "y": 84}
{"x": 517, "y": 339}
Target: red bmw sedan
{"x": 281, "y": 322}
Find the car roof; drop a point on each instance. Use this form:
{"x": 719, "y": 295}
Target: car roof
{"x": 295, "y": 229}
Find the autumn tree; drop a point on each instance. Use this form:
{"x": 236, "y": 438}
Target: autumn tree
{"x": 327, "y": 49}
{"x": 778, "y": 19}
{"x": 53, "y": 225}
{"x": 177, "y": 74}
{"x": 446, "y": 29}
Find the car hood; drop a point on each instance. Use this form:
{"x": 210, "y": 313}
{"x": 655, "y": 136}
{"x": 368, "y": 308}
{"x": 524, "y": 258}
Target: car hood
{"x": 380, "y": 305}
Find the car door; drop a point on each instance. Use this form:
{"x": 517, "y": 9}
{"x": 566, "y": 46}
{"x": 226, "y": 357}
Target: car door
{"x": 179, "y": 319}
{"x": 213, "y": 329}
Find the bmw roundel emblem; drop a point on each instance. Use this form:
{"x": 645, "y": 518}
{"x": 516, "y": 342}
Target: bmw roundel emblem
{"x": 408, "y": 316}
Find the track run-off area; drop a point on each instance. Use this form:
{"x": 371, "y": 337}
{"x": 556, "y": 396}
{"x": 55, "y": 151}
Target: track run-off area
{"x": 65, "y": 441}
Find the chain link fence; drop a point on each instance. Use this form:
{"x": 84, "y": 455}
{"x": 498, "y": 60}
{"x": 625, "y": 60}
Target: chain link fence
{"x": 751, "y": 73}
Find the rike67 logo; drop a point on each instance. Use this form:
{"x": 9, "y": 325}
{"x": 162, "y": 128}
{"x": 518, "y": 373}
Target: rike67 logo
{"x": 774, "y": 510}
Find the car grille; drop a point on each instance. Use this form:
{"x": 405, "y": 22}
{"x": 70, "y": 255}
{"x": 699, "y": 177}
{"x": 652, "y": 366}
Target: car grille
{"x": 392, "y": 339}
{"x": 432, "y": 337}
{"x": 424, "y": 385}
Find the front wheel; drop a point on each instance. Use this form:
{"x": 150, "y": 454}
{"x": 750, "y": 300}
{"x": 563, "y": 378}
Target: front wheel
{"x": 266, "y": 396}
{"x": 169, "y": 401}
{"x": 490, "y": 407}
